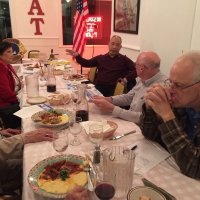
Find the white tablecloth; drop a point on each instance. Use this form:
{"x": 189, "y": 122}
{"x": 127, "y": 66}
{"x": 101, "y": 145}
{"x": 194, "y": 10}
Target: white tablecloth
{"x": 164, "y": 175}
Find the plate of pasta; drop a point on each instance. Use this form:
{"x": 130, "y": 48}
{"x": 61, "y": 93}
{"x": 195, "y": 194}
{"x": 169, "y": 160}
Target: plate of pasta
{"x": 52, "y": 118}
{"x": 56, "y": 176}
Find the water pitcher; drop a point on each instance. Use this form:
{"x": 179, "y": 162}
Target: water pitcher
{"x": 118, "y": 165}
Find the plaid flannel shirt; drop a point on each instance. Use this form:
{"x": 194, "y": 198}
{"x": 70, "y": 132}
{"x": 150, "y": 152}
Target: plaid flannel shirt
{"x": 171, "y": 135}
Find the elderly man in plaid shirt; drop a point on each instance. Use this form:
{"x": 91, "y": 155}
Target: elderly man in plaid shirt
{"x": 171, "y": 114}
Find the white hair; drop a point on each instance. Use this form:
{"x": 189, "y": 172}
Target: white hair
{"x": 194, "y": 58}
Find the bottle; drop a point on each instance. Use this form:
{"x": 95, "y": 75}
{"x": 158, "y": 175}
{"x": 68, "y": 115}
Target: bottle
{"x": 51, "y": 79}
{"x": 82, "y": 103}
{"x": 52, "y": 56}
{"x": 97, "y": 155}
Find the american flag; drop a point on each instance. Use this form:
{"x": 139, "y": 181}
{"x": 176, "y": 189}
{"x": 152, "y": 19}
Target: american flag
{"x": 81, "y": 15}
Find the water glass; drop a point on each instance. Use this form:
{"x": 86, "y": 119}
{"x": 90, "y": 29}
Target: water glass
{"x": 105, "y": 190}
{"x": 96, "y": 133}
{"x": 32, "y": 85}
{"x": 118, "y": 165}
{"x": 61, "y": 141}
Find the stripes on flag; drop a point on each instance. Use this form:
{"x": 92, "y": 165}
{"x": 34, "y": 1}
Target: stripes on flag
{"x": 81, "y": 15}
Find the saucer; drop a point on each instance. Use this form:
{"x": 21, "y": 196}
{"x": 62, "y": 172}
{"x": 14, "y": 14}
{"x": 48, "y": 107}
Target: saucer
{"x": 36, "y": 100}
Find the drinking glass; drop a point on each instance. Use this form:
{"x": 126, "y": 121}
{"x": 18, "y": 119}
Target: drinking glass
{"x": 65, "y": 99}
{"x": 96, "y": 133}
{"x": 75, "y": 129}
{"x": 61, "y": 141}
{"x": 74, "y": 96}
{"x": 67, "y": 74}
{"x": 105, "y": 190}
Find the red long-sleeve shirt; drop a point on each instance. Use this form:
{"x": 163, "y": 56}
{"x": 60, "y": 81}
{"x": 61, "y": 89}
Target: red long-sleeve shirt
{"x": 7, "y": 85}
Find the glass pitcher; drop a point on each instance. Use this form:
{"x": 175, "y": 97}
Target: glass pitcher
{"x": 82, "y": 103}
{"x": 51, "y": 79}
{"x": 118, "y": 165}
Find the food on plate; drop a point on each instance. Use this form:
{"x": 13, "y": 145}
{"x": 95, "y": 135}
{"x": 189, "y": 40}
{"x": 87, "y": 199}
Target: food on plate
{"x": 59, "y": 99}
{"x": 76, "y": 76}
{"x": 61, "y": 177}
{"x": 144, "y": 198}
{"x": 51, "y": 117}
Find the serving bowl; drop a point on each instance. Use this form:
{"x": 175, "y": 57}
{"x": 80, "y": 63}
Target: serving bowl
{"x": 109, "y": 128}
{"x": 57, "y": 99}
{"x": 109, "y": 133}
{"x": 137, "y": 193}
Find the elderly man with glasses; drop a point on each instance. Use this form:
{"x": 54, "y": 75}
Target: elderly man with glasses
{"x": 148, "y": 72}
{"x": 171, "y": 115}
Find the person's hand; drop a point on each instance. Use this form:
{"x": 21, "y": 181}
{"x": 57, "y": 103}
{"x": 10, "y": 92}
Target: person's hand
{"x": 103, "y": 104}
{"x": 78, "y": 193}
{"x": 39, "y": 135}
{"x": 10, "y": 132}
{"x": 123, "y": 81}
{"x": 96, "y": 97}
{"x": 71, "y": 52}
{"x": 158, "y": 98}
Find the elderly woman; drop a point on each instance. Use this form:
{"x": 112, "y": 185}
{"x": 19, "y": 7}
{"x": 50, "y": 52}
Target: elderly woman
{"x": 9, "y": 86}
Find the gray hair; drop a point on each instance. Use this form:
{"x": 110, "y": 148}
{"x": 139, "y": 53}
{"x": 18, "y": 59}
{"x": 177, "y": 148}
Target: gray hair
{"x": 151, "y": 59}
{"x": 152, "y": 63}
{"x": 194, "y": 58}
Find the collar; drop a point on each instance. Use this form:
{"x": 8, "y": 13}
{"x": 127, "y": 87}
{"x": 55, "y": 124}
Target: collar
{"x": 148, "y": 82}
{"x": 118, "y": 55}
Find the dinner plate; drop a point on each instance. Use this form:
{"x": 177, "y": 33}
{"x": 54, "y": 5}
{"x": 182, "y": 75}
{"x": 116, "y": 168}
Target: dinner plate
{"x": 77, "y": 77}
{"x": 36, "y": 100}
{"x": 137, "y": 192}
{"x": 66, "y": 115}
{"x": 39, "y": 167}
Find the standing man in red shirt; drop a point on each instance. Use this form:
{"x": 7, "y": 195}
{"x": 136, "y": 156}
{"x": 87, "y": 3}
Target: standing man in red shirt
{"x": 111, "y": 67}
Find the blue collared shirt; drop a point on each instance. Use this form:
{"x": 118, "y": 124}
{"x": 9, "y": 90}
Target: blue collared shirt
{"x": 193, "y": 118}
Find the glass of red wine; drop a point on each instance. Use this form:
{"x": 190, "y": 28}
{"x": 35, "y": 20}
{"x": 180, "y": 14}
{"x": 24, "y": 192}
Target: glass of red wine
{"x": 105, "y": 190}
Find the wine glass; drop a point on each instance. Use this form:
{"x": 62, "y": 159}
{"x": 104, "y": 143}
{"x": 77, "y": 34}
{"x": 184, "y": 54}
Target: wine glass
{"x": 105, "y": 190}
{"x": 75, "y": 128}
{"x": 74, "y": 96}
{"x": 61, "y": 141}
{"x": 65, "y": 99}
{"x": 96, "y": 133}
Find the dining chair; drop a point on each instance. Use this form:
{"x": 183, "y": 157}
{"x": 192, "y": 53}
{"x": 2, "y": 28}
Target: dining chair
{"x": 18, "y": 49}
{"x": 33, "y": 54}
{"x": 92, "y": 73}
{"x": 119, "y": 88}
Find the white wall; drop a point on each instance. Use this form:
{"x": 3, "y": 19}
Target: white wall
{"x": 164, "y": 27}
{"x": 167, "y": 27}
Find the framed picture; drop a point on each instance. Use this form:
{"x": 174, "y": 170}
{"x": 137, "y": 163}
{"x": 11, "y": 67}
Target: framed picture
{"x": 126, "y": 16}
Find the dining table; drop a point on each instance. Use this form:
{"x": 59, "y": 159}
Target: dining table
{"x": 164, "y": 174}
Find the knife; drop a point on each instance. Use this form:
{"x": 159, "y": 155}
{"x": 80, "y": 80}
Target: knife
{"x": 120, "y": 136}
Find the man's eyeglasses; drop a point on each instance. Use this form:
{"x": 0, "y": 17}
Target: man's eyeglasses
{"x": 178, "y": 86}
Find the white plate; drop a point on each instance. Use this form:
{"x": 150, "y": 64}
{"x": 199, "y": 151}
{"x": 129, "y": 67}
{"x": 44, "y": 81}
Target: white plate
{"x": 137, "y": 192}
{"x": 65, "y": 113}
{"x": 39, "y": 167}
{"x": 36, "y": 100}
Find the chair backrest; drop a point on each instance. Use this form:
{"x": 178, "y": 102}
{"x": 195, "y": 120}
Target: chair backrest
{"x": 92, "y": 74}
{"x": 18, "y": 49}
{"x": 33, "y": 54}
{"x": 119, "y": 88}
